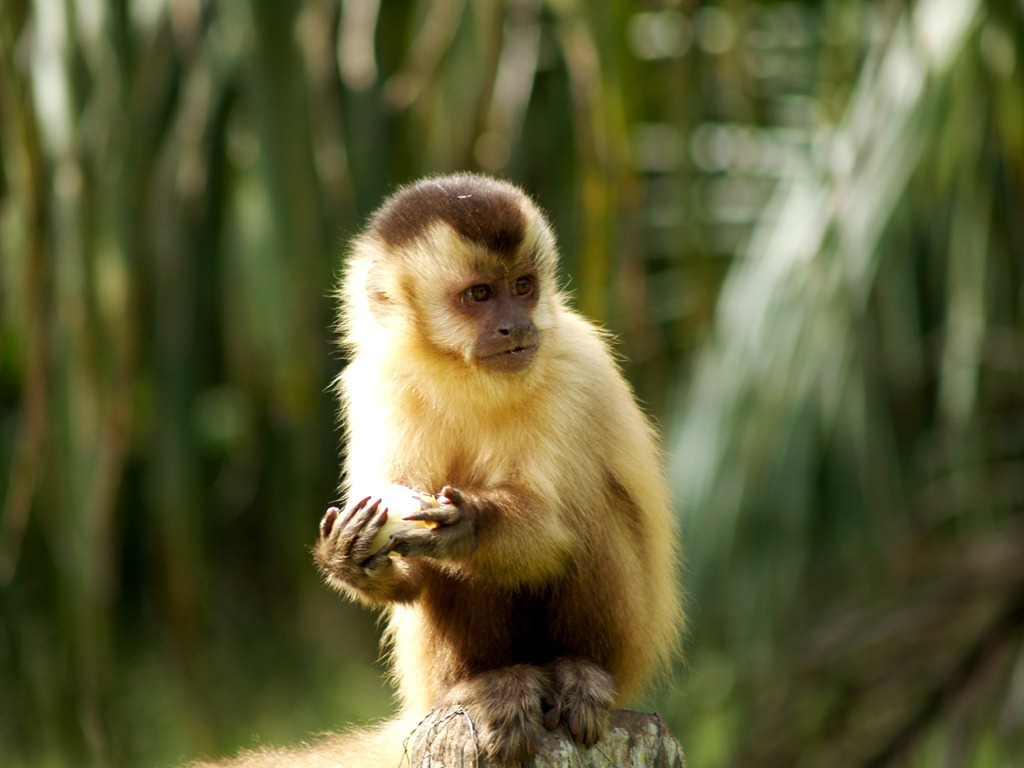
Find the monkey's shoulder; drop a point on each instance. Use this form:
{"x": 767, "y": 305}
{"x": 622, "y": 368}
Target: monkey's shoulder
{"x": 585, "y": 359}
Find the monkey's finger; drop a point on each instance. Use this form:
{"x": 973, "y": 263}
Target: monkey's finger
{"x": 351, "y": 510}
{"x": 328, "y": 520}
{"x": 361, "y": 504}
{"x": 414, "y": 541}
{"x": 333, "y": 520}
{"x": 364, "y": 529}
{"x": 438, "y": 515}
{"x": 355, "y": 530}
{"x": 361, "y": 516}
{"x": 451, "y": 495}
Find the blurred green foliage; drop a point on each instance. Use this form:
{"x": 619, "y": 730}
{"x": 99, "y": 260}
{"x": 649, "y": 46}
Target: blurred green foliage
{"x": 803, "y": 220}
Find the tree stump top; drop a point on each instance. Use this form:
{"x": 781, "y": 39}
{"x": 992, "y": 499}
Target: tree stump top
{"x": 446, "y": 739}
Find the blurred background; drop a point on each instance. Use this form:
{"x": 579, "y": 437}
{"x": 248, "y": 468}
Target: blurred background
{"x": 804, "y": 222}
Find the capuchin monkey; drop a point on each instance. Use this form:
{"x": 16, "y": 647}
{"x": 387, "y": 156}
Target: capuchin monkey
{"x": 535, "y": 584}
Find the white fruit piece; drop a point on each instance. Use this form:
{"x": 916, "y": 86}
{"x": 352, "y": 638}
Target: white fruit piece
{"x": 400, "y": 501}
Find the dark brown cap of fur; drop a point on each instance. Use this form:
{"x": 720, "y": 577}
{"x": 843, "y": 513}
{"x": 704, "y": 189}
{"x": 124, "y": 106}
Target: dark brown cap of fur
{"x": 482, "y": 210}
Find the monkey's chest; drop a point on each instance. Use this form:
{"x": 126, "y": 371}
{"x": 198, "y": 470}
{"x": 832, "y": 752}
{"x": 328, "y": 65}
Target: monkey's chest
{"x": 487, "y": 628}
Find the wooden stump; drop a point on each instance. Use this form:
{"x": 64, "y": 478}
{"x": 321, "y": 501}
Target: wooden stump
{"x": 445, "y": 739}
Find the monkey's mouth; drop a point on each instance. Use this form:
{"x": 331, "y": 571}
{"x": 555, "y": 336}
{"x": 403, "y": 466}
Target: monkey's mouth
{"x": 512, "y": 359}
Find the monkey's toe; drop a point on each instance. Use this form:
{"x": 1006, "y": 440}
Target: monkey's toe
{"x": 585, "y": 692}
{"x": 587, "y": 724}
{"x": 508, "y": 745}
{"x": 552, "y": 713}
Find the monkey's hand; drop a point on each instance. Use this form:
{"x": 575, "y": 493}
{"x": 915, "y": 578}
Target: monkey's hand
{"x": 581, "y": 697}
{"x": 348, "y": 558}
{"x": 452, "y": 531}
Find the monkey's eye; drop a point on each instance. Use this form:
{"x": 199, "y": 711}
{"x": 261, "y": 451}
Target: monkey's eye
{"x": 523, "y": 286}
{"x": 479, "y": 293}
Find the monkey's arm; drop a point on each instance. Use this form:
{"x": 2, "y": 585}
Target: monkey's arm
{"x": 347, "y": 558}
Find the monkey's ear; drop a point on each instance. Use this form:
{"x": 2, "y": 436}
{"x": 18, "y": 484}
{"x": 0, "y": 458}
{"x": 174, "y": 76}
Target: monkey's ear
{"x": 378, "y": 295}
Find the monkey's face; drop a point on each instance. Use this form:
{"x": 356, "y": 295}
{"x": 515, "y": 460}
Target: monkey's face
{"x": 500, "y": 310}
{"x": 487, "y": 308}
{"x": 460, "y": 267}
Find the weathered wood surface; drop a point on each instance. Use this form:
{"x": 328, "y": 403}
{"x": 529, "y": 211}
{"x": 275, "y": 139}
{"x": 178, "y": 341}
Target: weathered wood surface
{"x": 445, "y": 739}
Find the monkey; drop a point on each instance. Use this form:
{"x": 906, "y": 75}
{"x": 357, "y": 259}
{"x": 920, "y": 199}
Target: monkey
{"x": 540, "y": 588}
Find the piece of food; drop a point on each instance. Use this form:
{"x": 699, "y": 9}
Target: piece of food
{"x": 400, "y": 501}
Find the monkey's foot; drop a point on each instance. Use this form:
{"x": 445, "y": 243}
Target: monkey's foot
{"x": 583, "y": 693}
{"x": 505, "y": 706}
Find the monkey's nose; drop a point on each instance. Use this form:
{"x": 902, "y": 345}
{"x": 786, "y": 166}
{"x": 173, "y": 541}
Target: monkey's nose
{"x": 515, "y": 329}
